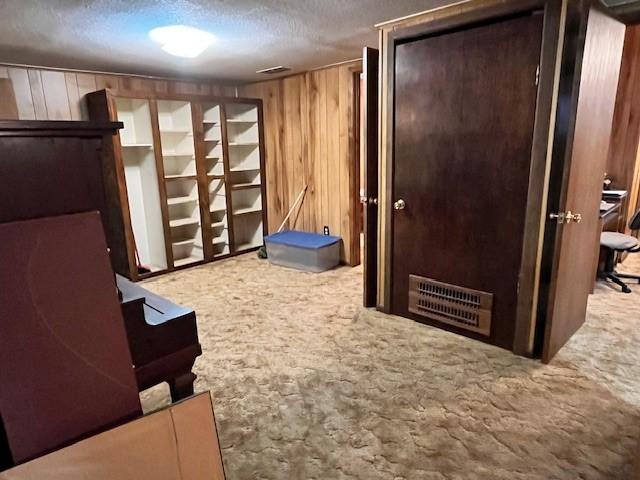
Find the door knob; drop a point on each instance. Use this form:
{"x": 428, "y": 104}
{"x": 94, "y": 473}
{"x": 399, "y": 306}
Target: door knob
{"x": 399, "y": 205}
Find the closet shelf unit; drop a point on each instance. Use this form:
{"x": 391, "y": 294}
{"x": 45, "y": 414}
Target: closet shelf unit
{"x": 187, "y": 177}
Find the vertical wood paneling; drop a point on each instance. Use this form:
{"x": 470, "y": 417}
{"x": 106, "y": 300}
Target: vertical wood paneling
{"x": 55, "y": 95}
{"x": 622, "y": 165}
{"x": 22, "y": 92}
{"x": 310, "y": 139}
{"x": 8, "y": 107}
{"x": 37, "y": 94}
{"x": 86, "y": 84}
{"x": 307, "y": 122}
{"x": 73, "y": 95}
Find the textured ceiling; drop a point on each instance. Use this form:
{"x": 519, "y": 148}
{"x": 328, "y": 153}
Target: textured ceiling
{"x": 111, "y": 35}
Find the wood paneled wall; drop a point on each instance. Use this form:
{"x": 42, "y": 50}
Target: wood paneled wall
{"x": 46, "y": 94}
{"x": 310, "y": 135}
{"x": 623, "y": 164}
{"x": 310, "y": 121}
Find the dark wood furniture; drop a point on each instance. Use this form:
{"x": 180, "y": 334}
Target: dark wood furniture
{"x": 163, "y": 339}
{"x": 65, "y": 366}
{"x": 56, "y": 168}
{"x": 190, "y": 178}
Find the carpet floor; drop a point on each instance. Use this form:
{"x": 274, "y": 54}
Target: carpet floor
{"x": 307, "y": 384}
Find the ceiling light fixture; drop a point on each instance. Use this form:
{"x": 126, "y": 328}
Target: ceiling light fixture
{"x": 182, "y": 41}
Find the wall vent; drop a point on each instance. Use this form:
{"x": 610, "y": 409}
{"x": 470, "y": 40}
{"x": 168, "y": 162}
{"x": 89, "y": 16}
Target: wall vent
{"x": 462, "y": 307}
{"x": 274, "y": 70}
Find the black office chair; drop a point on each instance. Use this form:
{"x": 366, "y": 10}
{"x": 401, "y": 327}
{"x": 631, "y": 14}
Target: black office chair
{"x": 615, "y": 243}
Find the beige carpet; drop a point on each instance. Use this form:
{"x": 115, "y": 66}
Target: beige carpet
{"x": 309, "y": 385}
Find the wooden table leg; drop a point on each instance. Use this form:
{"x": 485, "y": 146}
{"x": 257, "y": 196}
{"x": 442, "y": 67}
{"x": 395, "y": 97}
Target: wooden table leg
{"x": 182, "y": 386}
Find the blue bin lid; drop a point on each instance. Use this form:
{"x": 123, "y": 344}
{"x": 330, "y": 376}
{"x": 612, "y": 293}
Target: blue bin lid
{"x": 293, "y": 238}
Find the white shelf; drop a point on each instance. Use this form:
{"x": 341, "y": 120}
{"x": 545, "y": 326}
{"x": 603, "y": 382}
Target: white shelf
{"x": 180, "y": 222}
{"x": 219, "y": 241}
{"x": 243, "y": 211}
{"x": 181, "y": 200}
{"x": 136, "y": 145}
{"x": 181, "y": 243}
{"x": 211, "y": 122}
{"x": 218, "y": 209}
{"x": 186, "y": 261}
{"x": 249, "y": 122}
{"x": 244, "y": 169}
{"x": 247, "y": 246}
{"x": 174, "y": 177}
{"x": 245, "y": 185}
{"x": 178, "y": 154}
{"x": 243, "y": 144}
{"x": 177, "y": 132}
{"x": 218, "y": 225}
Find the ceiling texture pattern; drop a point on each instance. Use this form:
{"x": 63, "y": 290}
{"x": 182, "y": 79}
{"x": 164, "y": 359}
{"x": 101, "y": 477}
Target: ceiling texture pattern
{"x": 112, "y": 35}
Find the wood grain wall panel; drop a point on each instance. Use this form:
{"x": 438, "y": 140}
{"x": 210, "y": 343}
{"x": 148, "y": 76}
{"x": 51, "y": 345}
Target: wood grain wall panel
{"x": 37, "y": 94}
{"x": 55, "y": 95}
{"x": 8, "y": 107}
{"x": 50, "y": 94}
{"x": 622, "y": 163}
{"x": 310, "y": 139}
{"x": 308, "y": 121}
{"x": 73, "y": 95}
{"x": 22, "y": 93}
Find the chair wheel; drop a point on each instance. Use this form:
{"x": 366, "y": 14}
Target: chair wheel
{"x": 626, "y": 289}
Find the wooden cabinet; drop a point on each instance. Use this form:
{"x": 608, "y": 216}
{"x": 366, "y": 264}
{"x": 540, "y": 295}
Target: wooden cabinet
{"x": 190, "y": 177}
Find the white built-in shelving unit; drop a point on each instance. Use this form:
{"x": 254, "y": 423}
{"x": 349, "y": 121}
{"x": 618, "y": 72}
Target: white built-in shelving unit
{"x": 216, "y": 179}
{"x": 175, "y": 124}
{"x": 141, "y": 178}
{"x": 193, "y": 177}
{"x": 243, "y": 137}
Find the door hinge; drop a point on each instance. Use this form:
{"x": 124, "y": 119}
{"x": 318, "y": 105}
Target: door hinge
{"x": 537, "y": 74}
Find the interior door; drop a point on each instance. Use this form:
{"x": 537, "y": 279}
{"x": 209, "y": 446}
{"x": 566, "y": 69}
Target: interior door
{"x": 575, "y": 245}
{"x": 369, "y": 162}
{"x": 464, "y": 110}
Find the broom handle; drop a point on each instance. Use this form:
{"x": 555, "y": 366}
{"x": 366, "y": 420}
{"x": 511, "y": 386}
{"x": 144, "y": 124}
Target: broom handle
{"x": 304, "y": 190}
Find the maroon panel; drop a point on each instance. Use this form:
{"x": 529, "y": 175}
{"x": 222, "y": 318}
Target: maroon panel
{"x": 65, "y": 367}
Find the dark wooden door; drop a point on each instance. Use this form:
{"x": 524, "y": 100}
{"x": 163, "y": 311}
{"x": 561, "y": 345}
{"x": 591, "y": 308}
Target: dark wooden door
{"x": 575, "y": 245}
{"x": 370, "y": 165}
{"x": 465, "y": 104}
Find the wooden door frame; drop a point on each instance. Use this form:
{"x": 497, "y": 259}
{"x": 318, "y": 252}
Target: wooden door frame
{"x": 354, "y": 165}
{"x": 454, "y": 17}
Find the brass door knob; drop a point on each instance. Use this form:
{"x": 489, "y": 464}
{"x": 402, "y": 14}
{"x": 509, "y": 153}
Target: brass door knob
{"x": 399, "y": 205}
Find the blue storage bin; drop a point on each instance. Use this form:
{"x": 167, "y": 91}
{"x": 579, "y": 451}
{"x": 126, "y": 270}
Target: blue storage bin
{"x": 311, "y": 252}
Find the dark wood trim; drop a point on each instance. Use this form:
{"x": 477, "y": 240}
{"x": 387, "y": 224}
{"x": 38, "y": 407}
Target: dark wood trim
{"x": 538, "y": 179}
{"x": 32, "y": 128}
{"x": 197, "y": 118}
{"x": 263, "y": 169}
{"x": 227, "y": 178}
{"x": 184, "y": 97}
{"x": 162, "y": 187}
{"x": 565, "y": 121}
{"x": 456, "y": 19}
{"x": 354, "y": 165}
{"x": 387, "y": 227}
{"x": 369, "y": 158}
{"x": 102, "y": 106}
